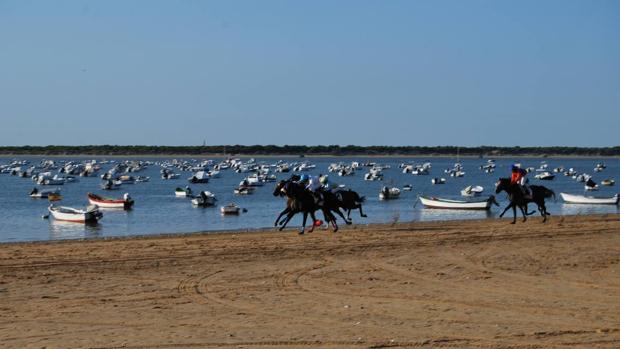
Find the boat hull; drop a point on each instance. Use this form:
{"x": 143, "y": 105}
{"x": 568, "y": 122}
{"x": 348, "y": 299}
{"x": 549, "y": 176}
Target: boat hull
{"x": 589, "y": 200}
{"x": 109, "y": 203}
{"x": 454, "y": 204}
{"x": 67, "y": 214}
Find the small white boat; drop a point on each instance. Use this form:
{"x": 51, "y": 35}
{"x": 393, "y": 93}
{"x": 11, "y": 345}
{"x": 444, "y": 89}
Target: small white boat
{"x": 199, "y": 177}
{"x": 433, "y": 202}
{"x": 471, "y": 190}
{"x": 244, "y": 190}
{"x": 230, "y": 209}
{"x": 69, "y": 214}
{"x": 438, "y": 181}
{"x": 43, "y": 194}
{"x": 545, "y": 176}
{"x": 125, "y": 203}
{"x": 592, "y": 200}
{"x": 206, "y": 198}
{"x": 142, "y": 179}
{"x": 407, "y": 187}
{"x": 608, "y": 182}
{"x": 388, "y": 193}
{"x": 181, "y": 192}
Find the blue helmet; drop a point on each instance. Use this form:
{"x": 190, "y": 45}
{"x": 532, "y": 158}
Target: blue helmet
{"x": 515, "y": 167}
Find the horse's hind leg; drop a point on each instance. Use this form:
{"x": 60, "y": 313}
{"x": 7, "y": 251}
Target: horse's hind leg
{"x": 362, "y": 213}
{"x": 313, "y": 217}
{"x": 347, "y": 221}
{"x": 349, "y": 214}
{"x": 523, "y": 212}
{"x": 514, "y": 214}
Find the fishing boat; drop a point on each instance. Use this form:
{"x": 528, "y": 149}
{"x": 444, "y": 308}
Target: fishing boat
{"x": 608, "y": 182}
{"x": 230, "y": 209}
{"x": 206, "y": 198}
{"x": 183, "y": 192}
{"x": 591, "y": 200}
{"x": 43, "y": 194}
{"x": 388, "y": 193}
{"x": 471, "y": 190}
{"x": 434, "y": 202}
{"x": 69, "y": 214}
{"x": 125, "y": 203}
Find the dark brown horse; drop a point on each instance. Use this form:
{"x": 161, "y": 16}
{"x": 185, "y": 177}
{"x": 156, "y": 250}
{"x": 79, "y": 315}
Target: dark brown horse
{"x": 300, "y": 200}
{"x": 518, "y": 199}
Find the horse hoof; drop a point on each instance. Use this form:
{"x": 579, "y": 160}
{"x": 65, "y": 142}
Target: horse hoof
{"x": 281, "y": 228}
{"x": 301, "y": 232}
{"x": 513, "y": 222}
{"x": 349, "y": 222}
{"x": 364, "y": 216}
{"x": 335, "y": 230}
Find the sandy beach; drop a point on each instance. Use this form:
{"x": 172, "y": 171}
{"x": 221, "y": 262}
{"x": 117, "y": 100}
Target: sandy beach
{"x": 456, "y": 284}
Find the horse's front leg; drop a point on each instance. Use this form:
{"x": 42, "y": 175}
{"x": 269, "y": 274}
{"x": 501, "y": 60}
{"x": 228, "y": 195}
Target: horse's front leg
{"x": 285, "y": 211}
{"x": 514, "y": 214}
{"x": 288, "y": 219}
{"x": 506, "y": 209}
{"x": 349, "y": 214}
{"x": 303, "y": 224}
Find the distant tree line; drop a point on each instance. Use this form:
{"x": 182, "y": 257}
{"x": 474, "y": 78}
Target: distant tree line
{"x": 336, "y": 150}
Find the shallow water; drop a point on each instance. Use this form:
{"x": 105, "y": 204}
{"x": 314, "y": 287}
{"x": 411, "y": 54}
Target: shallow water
{"x": 158, "y": 211}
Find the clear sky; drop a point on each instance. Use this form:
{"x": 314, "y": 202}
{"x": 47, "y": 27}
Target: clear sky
{"x": 455, "y": 72}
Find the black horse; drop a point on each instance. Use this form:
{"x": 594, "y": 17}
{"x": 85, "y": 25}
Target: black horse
{"x": 518, "y": 199}
{"x": 301, "y": 200}
{"x": 350, "y": 200}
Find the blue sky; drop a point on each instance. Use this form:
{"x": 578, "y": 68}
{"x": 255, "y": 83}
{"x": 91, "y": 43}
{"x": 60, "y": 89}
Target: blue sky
{"x": 464, "y": 73}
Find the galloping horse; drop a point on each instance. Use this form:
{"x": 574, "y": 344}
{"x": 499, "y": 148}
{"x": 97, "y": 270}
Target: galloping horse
{"x": 350, "y": 200}
{"x": 518, "y": 199}
{"x": 300, "y": 200}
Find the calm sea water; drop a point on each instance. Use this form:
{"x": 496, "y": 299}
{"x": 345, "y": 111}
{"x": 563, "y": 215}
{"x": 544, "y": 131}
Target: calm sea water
{"x": 158, "y": 211}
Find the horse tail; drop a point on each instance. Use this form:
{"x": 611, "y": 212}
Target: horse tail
{"x": 549, "y": 193}
{"x": 360, "y": 199}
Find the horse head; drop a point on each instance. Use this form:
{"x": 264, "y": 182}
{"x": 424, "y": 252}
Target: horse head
{"x": 279, "y": 189}
{"x": 502, "y": 184}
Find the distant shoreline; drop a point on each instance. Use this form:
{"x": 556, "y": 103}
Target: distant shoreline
{"x": 308, "y": 151}
{"x": 315, "y": 156}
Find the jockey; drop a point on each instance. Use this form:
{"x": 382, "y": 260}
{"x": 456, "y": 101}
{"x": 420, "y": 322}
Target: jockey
{"x": 314, "y": 186}
{"x": 518, "y": 177}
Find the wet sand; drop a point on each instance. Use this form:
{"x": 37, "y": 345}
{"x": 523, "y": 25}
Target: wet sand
{"x": 455, "y": 284}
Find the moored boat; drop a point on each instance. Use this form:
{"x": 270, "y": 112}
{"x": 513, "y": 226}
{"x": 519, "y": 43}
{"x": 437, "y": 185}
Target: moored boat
{"x": 591, "y": 200}
{"x": 125, "y": 203}
{"x": 183, "y": 192}
{"x": 69, "y": 214}
{"x": 434, "y": 202}
{"x": 43, "y": 194}
{"x": 388, "y": 193}
{"x": 206, "y": 198}
{"x": 230, "y": 209}
{"x": 471, "y": 190}
{"x": 608, "y": 182}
